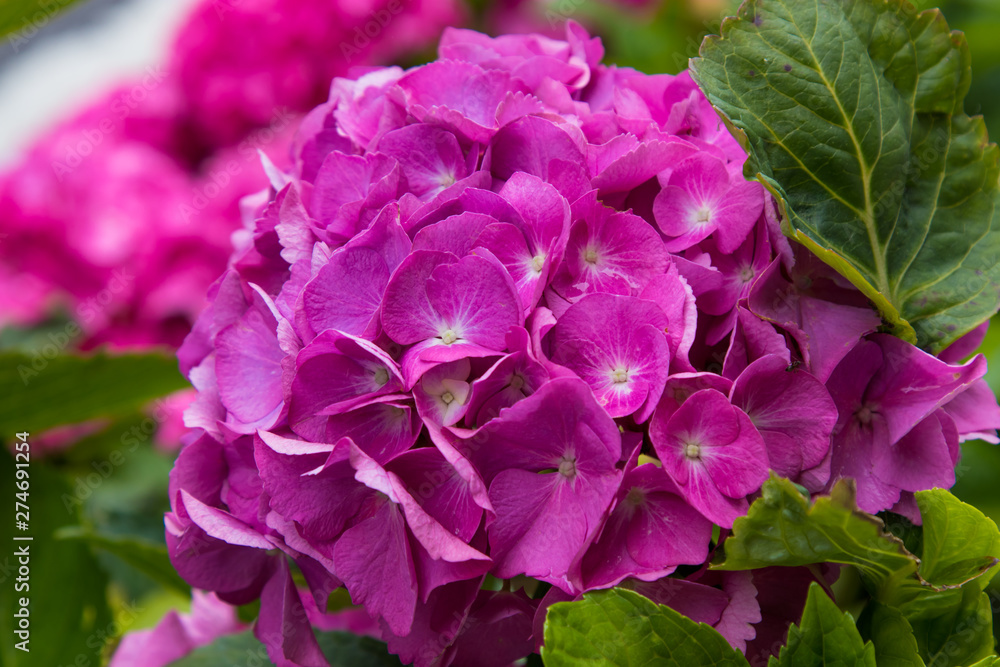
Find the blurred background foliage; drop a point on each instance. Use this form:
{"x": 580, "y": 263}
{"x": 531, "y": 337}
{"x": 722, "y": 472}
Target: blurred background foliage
{"x": 98, "y": 497}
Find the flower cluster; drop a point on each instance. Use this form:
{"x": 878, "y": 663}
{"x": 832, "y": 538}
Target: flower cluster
{"x": 514, "y": 327}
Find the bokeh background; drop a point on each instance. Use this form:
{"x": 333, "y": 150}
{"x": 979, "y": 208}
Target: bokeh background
{"x": 129, "y": 131}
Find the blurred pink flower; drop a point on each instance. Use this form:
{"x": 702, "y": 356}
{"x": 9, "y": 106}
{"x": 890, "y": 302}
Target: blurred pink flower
{"x": 176, "y": 635}
{"x": 239, "y": 61}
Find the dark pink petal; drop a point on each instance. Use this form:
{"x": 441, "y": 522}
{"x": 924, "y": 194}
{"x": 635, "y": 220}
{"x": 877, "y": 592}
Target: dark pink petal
{"x": 432, "y": 295}
{"x": 542, "y": 148}
{"x": 649, "y": 533}
{"x": 617, "y": 345}
{"x": 282, "y": 625}
{"x": 609, "y": 251}
{"x": 498, "y": 631}
{"x": 310, "y": 484}
{"x": 337, "y": 372}
{"x": 346, "y": 293}
{"x": 921, "y": 459}
{"x": 713, "y": 452}
{"x": 248, "y": 366}
{"x": 791, "y": 409}
{"x": 976, "y": 413}
{"x": 430, "y": 157}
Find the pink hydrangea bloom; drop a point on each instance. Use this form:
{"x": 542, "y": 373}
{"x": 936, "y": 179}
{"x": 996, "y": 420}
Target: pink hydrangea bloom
{"x": 479, "y": 326}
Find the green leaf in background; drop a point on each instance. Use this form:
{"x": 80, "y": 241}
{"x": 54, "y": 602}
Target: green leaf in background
{"x": 960, "y": 542}
{"x": 342, "y": 649}
{"x": 991, "y": 661}
{"x": 890, "y": 632}
{"x": 620, "y": 628}
{"x": 852, "y": 114}
{"x": 825, "y": 636}
{"x": 960, "y": 636}
{"x": 149, "y": 558}
{"x": 69, "y": 615}
{"x": 41, "y": 392}
{"x": 26, "y": 17}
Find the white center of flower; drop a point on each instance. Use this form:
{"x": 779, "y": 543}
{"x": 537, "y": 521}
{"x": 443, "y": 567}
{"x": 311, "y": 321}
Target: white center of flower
{"x": 516, "y": 382}
{"x": 449, "y": 337}
{"x": 692, "y": 451}
{"x": 447, "y": 398}
{"x": 537, "y": 262}
{"x": 703, "y": 214}
{"x": 619, "y": 376}
{"x": 567, "y": 467}
{"x": 746, "y": 274}
{"x": 447, "y": 179}
{"x": 381, "y": 376}
{"x": 590, "y": 256}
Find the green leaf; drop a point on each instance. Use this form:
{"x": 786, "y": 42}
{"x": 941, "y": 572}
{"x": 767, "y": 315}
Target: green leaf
{"x": 148, "y": 557}
{"x": 783, "y": 528}
{"x": 991, "y": 661}
{"x": 960, "y": 542}
{"x": 41, "y": 392}
{"x": 342, "y": 649}
{"x": 620, "y": 628}
{"x": 26, "y": 17}
{"x": 960, "y": 636}
{"x": 889, "y": 631}
{"x": 851, "y": 111}
{"x": 66, "y": 589}
{"x": 824, "y": 637}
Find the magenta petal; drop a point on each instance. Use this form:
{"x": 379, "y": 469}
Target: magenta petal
{"x": 611, "y": 252}
{"x": 430, "y": 157}
{"x": 922, "y": 458}
{"x": 374, "y": 560}
{"x": 476, "y": 299}
{"x": 714, "y": 454}
{"x": 248, "y": 367}
{"x": 337, "y": 372}
{"x": 537, "y": 432}
{"x": 283, "y": 626}
{"x": 791, "y": 409}
{"x": 440, "y": 490}
{"x": 346, "y": 293}
{"x": 976, "y": 413}
{"x": 739, "y": 210}
{"x": 648, "y": 534}
{"x": 316, "y": 489}
{"x": 544, "y": 522}
{"x": 408, "y": 315}
{"x": 456, "y": 234}
{"x": 617, "y": 345}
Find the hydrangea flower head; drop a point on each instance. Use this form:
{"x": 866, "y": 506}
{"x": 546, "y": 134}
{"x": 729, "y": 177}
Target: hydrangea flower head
{"x": 507, "y": 316}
